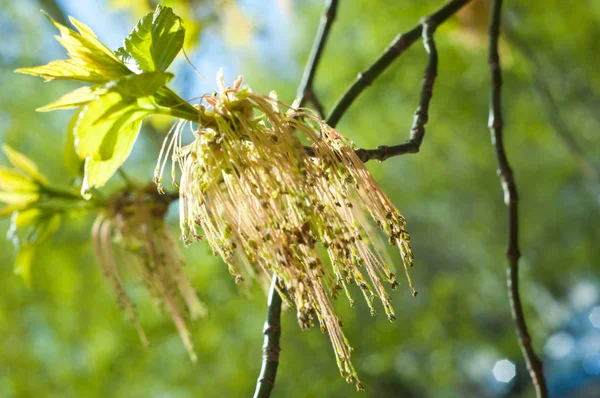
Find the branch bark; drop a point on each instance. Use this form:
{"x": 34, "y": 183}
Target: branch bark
{"x": 511, "y": 199}
{"x": 305, "y": 90}
{"x": 271, "y": 348}
{"x": 417, "y": 132}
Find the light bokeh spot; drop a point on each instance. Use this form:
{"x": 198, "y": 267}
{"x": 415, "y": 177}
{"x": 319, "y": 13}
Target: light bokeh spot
{"x": 595, "y": 316}
{"x": 504, "y": 371}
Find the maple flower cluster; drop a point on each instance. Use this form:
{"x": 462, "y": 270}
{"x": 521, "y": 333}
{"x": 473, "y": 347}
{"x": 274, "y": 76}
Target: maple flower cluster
{"x": 272, "y": 188}
{"x": 134, "y": 223}
{"x": 278, "y": 191}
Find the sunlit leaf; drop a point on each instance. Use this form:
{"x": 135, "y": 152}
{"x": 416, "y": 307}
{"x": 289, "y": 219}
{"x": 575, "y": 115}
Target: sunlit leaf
{"x": 46, "y": 228}
{"x": 21, "y": 199}
{"x": 24, "y": 164}
{"x": 98, "y": 172}
{"x": 99, "y": 126}
{"x": 23, "y": 262}
{"x": 9, "y": 210}
{"x": 24, "y": 219}
{"x": 89, "y": 59}
{"x": 155, "y": 41}
{"x": 16, "y": 181}
{"x": 144, "y": 84}
{"x": 29, "y": 229}
{"x": 109, "y": 121}
{"x": 64, "y": 69}
{"x": 75, "y": 98}
{"x": 187, "y": 11}
{"x": 73, "y": 164}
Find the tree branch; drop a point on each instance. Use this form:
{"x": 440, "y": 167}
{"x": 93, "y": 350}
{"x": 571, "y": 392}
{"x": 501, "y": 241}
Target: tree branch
{"x": 417, "y": 132}
{"x": 496, "y": 124}
{"x": 272, "y": 332}
{"x": 305, "y": 90}
{"x": 426, "y": 28}
{"x": 396, "y": 48}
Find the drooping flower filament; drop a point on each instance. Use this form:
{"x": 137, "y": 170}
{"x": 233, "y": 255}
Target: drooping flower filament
{"x": 134, "y": 224}
{"x": 268, "y": 206}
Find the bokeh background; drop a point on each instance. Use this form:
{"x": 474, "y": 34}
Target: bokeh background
{"x": 66, "y": 337}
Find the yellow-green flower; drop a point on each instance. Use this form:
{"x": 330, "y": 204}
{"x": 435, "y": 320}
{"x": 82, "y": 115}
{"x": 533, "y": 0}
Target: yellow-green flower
{"x": 134, "y": 224}
{"x": 249, "y": 186}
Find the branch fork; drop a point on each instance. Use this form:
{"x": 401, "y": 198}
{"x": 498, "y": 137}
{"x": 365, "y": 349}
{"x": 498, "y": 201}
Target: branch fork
{"x": 397, "y": 47}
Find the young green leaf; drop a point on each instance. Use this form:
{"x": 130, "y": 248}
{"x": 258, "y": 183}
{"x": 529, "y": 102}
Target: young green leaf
{"x": 23, "y": 261}
{"x": 20, "y": 220}
{"x": 75, "y": 98}
{"x": 19, "y": 198}
{"x": 21, "y": 186}
{"x": 155, "y": 41}
{"x": 28, "y": 230}
{"x": 106, "y": 126}
{"x": 143, "y": 85}
{"x": 45, "y": 228}
{"x": 24, "y": 164}
{"x": 73, "y": 164}
{"x": 89, "y": 59}
{"x": 166, "y": 98}
{"x": 16, "y": 181}
{"x": 101, "y": 122}
{"x": 64, "y": 69}
{"x": 98, "y": 172}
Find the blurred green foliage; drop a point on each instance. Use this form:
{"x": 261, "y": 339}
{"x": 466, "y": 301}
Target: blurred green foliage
{"x": 65, "y": 336}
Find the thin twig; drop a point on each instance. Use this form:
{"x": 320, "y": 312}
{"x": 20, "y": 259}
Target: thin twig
{"x": 397, "y": 47}
{"x": 305, "y": 90}
{"x": 272, "y": 332}
{"x": 511, "y": 198}
{"x": 417, "y": 132}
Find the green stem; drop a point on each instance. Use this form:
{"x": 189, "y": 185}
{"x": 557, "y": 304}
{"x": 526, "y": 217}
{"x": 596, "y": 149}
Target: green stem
{"x": 306, "y": 91}
{"x": 53, "y": 192}
{"x": 173, "y": 105}
{"x": 57, "y": 192}
{"x": 179, "y": 113}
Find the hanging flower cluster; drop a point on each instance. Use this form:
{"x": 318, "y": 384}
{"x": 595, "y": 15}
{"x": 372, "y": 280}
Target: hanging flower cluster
{"x": 134, "y": 223}
{"x": 277, "y": 190}
{"x": 272, "y": 188}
